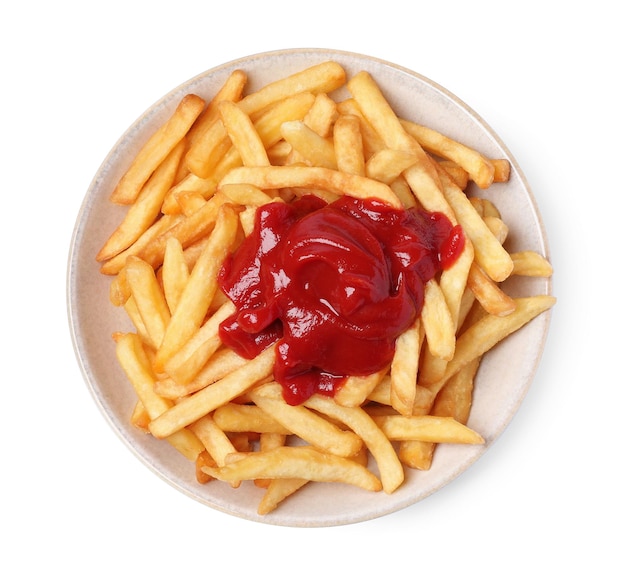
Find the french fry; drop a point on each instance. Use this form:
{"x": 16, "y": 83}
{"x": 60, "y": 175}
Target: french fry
{"x": 490, "y": 296}
{"x": 216, "y": 442}
{"x": 160, "y": 144}
{"x": 267, "y": 442}
{"x": 146, "y": 207}
{"x": 432, "y": 370}
{"x": 497, "y": 227}
{"x": 279, "y": 153}
{"x": 140, "y": 418}
{"x": 270, "y": 440}
{"x": 401, "y": 188}
{"x": 130, "y": 306}
{"x": 208, "y": 149}
{"x": 480, "y": 169}
{"x": 489, "y": 209}
{"x": 439, "y": 326}
{"x": 321, "y": 78}
{"x": 372, "y": 142}
{"x": 379, "y": 113}
{"x": 336, "y": 182}
{"x": 223, "y": 362}
{"x": 501, "y": 170}
{"x": 404, "y": 368}
{"x": 116, "y": 264}
{"x": 452, "y": 398}
{"x": 242, "y": 443}
{"x": 387, "y": 165}
{"x": 455, "y": 397}
{"x": 488, "y": 250}
{"x": 390, "y": 468}
{"x": 175, "y": 273}
{"x": 304, "y": 423}
{"x": 348, "y": 145}
{"x": 197, "y": 405}
{"x": 201, "y": 286}
{"x": 319, "y": 118}
{"x": 428, "y": 428}
{"x": 278, "y": 490}
{"x": 243, "y": 134}
{"x": 247, "y": 217}
{"x": 149, "y": 298}
{"x": 243, "y": 417}
{"x": 245, "y": 194}
{"x": 531, "y": 264}
{"x": 302, "y": 462}
{"x": 192, "y": 252}
{"x": 135, "y": 364}
{"x": 314, "y": 149}
{"x": 469, "y": 307}
{"x": 456, "y": 173}
{"x": 453, "y": 282}
{"x": 192, "y": 184}
{"x": 356, "y": 389}
{"x": 231, "y": 90}
{"x": 382, "y": 395}
{"x": 187, "y": 231}
{"x": 185, "y": 364}
{"x": 490, "y": 330}
{"x": 477, "y": 203}
{"x": 203, "y": 460}
{"x": 293, "y": 108}
{"x": 416, "y": 454}
{"x": 218, "y": 446}
{"x": 322, "y": 115}
{"x": 190, "y": 202}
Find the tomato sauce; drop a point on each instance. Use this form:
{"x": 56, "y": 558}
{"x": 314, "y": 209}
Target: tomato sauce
{"x": 333, "y": 285}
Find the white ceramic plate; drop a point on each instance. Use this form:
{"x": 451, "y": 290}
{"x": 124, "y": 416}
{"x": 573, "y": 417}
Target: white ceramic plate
{"x": 505, "y": 374}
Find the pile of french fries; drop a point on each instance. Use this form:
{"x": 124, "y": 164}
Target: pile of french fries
{"x": 191, "y": 193}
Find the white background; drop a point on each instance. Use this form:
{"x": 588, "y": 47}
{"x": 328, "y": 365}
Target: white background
{"x": 547, "y": 76}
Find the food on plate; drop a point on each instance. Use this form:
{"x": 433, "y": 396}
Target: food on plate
{"x": 311, "y": 284}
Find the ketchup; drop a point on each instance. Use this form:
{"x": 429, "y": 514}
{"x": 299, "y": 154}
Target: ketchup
{"x": 332, "y": 285}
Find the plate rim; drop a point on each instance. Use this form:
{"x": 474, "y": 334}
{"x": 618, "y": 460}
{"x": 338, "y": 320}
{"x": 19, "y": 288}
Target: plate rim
{"x": 87, "y": 201}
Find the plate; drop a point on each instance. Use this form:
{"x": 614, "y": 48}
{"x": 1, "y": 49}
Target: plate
{"x": 503, "y": 379}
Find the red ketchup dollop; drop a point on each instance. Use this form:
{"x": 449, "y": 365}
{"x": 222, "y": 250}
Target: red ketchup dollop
{"x": 333, "y": 285}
